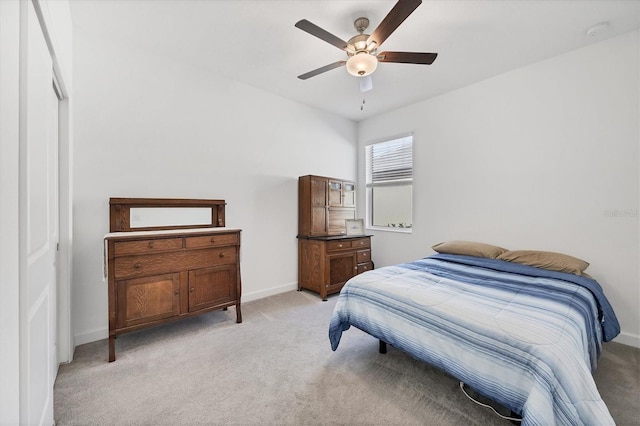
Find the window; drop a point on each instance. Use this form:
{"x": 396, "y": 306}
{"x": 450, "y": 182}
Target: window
{"x": 390, "y": 184}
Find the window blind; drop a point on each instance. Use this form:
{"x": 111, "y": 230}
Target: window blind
{"x": 390, "y": 162}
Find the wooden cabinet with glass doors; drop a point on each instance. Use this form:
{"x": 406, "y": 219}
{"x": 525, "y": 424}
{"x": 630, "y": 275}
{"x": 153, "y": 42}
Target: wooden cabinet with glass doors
{"x": 323, "y": 205}
{"x": 327, "y": 257}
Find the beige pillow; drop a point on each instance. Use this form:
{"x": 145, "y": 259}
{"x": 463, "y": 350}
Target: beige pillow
{"x": 469, "y": 248}
{"x": 546, "y": 260}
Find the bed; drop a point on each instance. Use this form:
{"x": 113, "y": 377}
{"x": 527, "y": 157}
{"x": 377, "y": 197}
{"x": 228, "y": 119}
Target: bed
{"x": 525, "y": 337}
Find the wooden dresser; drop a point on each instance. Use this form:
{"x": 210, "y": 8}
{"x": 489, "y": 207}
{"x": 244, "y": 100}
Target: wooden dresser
{"x": 327, "y": 257}
{"x": 168, "y": 273}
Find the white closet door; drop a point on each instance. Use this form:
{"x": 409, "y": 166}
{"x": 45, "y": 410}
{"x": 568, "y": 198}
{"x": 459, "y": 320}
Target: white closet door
{"x": 39, "y": 227}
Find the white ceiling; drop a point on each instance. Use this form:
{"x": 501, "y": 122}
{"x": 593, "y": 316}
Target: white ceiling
{"x": 255, "y": 41}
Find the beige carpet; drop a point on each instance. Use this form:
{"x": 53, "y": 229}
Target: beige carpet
{"x": 277, "y": 368}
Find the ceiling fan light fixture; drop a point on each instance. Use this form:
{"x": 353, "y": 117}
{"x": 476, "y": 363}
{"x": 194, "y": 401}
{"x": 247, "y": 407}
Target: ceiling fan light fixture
{"x": 362, "y": 64}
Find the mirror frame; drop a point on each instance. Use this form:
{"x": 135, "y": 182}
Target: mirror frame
{"x": 120, "y": 212}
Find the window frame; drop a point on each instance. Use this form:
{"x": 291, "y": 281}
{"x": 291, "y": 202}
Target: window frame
{"x": 369, "y": 186}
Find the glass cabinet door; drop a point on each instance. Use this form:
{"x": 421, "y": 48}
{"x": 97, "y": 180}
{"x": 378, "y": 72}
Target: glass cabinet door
{"x": 335, "y": 193}
{"x": 348, "y": 194}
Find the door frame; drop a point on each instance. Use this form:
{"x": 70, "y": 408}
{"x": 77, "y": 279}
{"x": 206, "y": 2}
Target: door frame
{"x": 66, "y": 340}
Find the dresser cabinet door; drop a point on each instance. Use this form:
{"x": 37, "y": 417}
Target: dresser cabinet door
{"x": 341, "y": 267}
{"x": 212, "y": 286}
{"x": 142, "y": 300}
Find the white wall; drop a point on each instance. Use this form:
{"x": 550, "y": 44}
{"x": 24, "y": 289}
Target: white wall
{"x": 544, "y": 157}
{"x": 149, "y": 127}
{"x": 9, "y": 213}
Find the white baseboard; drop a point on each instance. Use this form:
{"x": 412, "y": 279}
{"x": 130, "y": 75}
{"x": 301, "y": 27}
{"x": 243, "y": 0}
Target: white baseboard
{"x": 91, "y": 336}
{"x": 255, "y": 295}
{"x": 628, "y": 339}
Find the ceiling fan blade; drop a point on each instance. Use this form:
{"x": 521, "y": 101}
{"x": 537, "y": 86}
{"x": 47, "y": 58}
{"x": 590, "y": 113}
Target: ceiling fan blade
{"x": 394, "y": 18}
{"x": 366, "y": 83}
{"x": 408, "y": 57}
{"x": 315, "y": 30}
{"x": 321, "y": 70}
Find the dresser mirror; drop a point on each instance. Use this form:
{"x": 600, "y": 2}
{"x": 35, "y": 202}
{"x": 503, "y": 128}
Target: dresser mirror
{"x": 151, "y": 217}
{"x": 147, "y": 214}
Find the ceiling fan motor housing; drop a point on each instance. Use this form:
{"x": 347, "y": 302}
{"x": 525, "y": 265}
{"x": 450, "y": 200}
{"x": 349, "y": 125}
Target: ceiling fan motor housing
{"x": 359, "y": 44}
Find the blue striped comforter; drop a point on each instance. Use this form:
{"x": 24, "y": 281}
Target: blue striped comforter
{"x": 525, "y": 337}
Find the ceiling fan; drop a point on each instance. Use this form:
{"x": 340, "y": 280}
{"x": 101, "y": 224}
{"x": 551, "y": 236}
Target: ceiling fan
{"x": 361, "y": 49}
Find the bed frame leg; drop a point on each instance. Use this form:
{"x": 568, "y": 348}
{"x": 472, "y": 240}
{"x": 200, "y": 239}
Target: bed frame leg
{"x": 383, "y": 347}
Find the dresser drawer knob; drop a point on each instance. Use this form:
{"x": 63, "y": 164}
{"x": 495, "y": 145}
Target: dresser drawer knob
{"x": 213, "y": 240}
{"x": 177, "y": 292}
{"x": 339, "y": 245}
{"x": 192, "y": 289}
{"x": 137, "y": 265}
{"x": 150, "y": 245}
{"x": 221, "y": 254}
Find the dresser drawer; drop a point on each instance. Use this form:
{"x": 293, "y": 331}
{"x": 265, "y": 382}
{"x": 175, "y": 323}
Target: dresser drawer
{"x": 364, "y": 267}
{"x": 161, "y": 263}
{"x": 363, "y": 256}
{"x": 136, "y": 266}
{"x": 212, "y": 240}
{"x": 361, "y": 242}
{"x": 121, "y": 248}
{"x": 338, "y": 245}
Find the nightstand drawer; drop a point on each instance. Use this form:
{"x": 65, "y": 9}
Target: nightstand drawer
{"x": 121, "y": 248}
{"x": 212, "y": 240}
{"x": 338, "y": 245}
{"x": 361, "y": 243}
{"x": 363, "y": 256}
{"x": 364, "y": 267}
